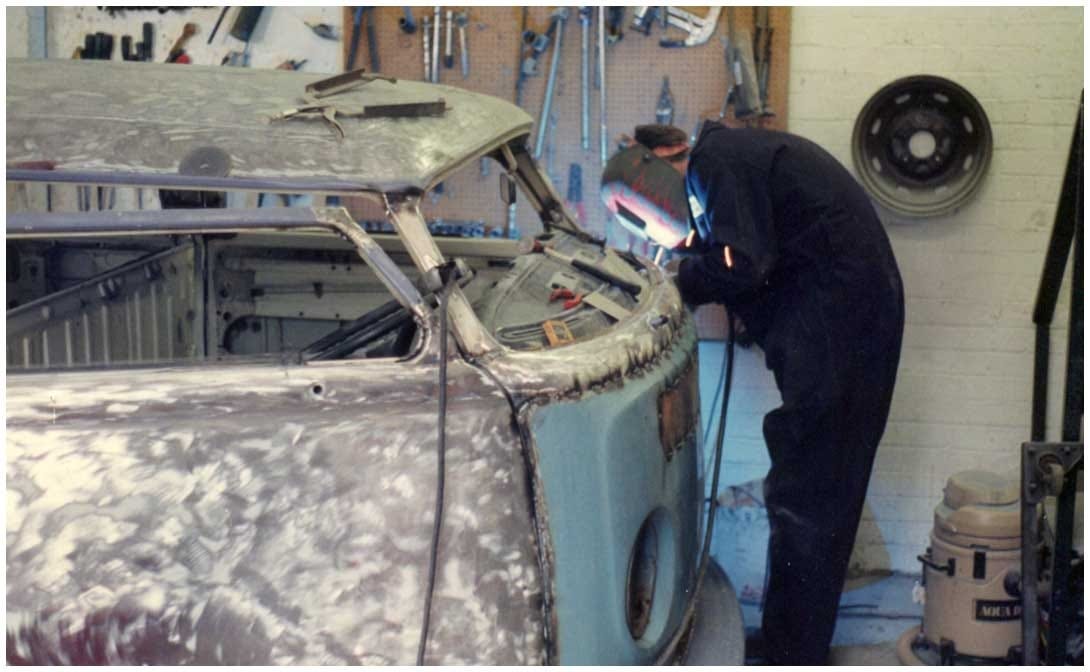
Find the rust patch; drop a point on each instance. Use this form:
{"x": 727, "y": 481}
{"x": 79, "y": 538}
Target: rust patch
{"x": 677, "y": 411}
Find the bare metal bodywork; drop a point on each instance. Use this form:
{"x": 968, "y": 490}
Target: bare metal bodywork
{"x": 180, "y": 495}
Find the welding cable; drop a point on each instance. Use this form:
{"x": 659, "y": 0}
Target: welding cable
{"x": 444, "y": 300}
{"x": 715, "y": 401}
{"x": 709, "y": 526}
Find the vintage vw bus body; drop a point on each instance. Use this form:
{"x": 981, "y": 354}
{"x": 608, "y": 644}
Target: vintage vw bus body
{"x": 223, "y": 422}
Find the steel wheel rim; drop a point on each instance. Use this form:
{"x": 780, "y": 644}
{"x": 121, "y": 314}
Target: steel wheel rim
{"x": 921, "y": 146}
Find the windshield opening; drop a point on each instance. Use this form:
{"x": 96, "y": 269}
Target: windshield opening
{"x": 109, "y": 301}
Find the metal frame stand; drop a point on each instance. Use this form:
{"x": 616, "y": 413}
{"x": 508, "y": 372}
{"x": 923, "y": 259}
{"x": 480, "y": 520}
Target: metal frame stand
{"x": 1052, "y": 468}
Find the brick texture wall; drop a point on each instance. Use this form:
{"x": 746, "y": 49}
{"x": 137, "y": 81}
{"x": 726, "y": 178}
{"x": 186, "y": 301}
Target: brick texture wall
{"x": 964, "y": 386}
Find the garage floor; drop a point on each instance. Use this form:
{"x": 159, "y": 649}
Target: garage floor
{"x": 874, "y": 613}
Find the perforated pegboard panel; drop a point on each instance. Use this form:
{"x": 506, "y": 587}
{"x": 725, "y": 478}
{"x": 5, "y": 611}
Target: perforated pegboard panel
{"x": 635, "y": 68}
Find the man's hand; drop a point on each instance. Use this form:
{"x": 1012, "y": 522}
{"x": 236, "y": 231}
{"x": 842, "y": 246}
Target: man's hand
{"x": 671, "y": 268}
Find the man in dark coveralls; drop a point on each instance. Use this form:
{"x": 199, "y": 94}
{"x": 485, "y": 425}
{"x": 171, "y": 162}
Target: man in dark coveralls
{"x": 788, "y": 241}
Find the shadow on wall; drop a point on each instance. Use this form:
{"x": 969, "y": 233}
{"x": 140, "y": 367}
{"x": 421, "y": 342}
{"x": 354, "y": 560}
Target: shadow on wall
{"x": 740, "y": 543}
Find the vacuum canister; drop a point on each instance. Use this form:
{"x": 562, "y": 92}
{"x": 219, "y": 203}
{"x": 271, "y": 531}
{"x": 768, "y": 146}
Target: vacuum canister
{"x": 971, "y": 579}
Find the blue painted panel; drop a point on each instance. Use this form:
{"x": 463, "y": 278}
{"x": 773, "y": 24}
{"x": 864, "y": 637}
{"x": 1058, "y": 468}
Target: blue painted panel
{"x": 604, "y": 472}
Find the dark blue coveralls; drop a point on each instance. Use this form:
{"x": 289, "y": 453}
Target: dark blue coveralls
{"x": 814, "y": 281}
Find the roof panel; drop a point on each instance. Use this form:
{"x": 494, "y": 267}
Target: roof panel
{"x": 106, "y": 116}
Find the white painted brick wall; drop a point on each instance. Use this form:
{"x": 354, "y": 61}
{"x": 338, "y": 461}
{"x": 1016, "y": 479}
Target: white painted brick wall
{"x": 964, "y": 386}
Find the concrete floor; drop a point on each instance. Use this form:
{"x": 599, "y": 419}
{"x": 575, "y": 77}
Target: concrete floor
{"x": 873, "y": 614}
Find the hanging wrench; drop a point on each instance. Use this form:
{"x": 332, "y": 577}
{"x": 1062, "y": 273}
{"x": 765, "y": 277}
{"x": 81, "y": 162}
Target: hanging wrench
{"x": 584, "y": 22}
{"x": 559, "y": 16}
{"x": 664, "y": 112}
{"x": 406, "y": 23}
{"x": 603, "y": 135}
{"x": 462, "y": 19}
{"x": 550, "y": 151}
{"x": 448, "y": 52}
{"x": 435, "y": 45}
{"x": 427, "y": 48}
{"x": 372, "y": 40}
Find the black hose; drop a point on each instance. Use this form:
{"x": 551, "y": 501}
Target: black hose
{"x": 715, "y": 401}
{"x": 444, "y": 299}
{"x": 690, "y": 607}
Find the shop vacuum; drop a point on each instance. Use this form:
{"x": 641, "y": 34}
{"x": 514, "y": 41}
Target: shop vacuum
{"x": 971, "y": 577}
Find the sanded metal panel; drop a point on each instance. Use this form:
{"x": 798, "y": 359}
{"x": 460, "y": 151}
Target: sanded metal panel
{"x": 140, "y": 312}
{"x": 265, "y": 515}
{"x": 109, "y": 117}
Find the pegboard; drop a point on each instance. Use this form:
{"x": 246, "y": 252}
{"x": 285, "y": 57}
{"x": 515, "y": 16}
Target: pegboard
{"x": 635, "y": 67}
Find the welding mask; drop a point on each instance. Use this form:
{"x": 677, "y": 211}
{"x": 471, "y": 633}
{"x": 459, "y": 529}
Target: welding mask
{"x": 648, "y": 196}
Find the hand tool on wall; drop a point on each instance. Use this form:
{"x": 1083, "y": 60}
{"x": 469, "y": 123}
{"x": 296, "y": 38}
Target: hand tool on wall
{"x": 426, "y": 31}
{"x": 575, "y": 192}
{"x": 437, "y": 27}
{"x": 643, "y": 19}
{"x": 520, "y": 61}
{"x": 613, "y": 18}
{"x": 215, "y": 28}
{"x": 664, "y": 112}
{"x": 323, "y": 30}
{"x": 603, "y": 136}
{"x": 700, "y": 28}
{"x": 354, "y": 45}
{"x": 461, "y": 19}
{"x": 178, "y": 48}
{"x": 559, "y": 17}
{"x": 762, "y": 55}
{"x": 245, "y": 22}
{"x": 145, "y": 50}
{"x": 448, "y": 51}
{"x": 584, "y": 99}
{"x": 615, "y": 25}
{"x": 97, "y": 46}
{"x": 240, "y": 59}
{"x": 741, "y": 93}
{"x": 406, "y": 23}
{"x": 536, "y": 44}
{"x": 120, "y": 11}
{"x": 372, "y": 40}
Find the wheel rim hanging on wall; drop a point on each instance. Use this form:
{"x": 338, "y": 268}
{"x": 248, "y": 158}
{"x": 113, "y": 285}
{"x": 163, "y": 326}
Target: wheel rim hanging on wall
{"x": 921, "y": 146}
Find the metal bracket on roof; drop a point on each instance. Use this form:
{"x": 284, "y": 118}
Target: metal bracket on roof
{"x": 329, "y": 111}
{"x": 436, "y": 108}
{"x": 343, "y": 82}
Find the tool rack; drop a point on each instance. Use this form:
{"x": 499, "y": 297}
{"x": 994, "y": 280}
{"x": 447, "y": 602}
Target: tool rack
{"x": 635, "y": 67}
